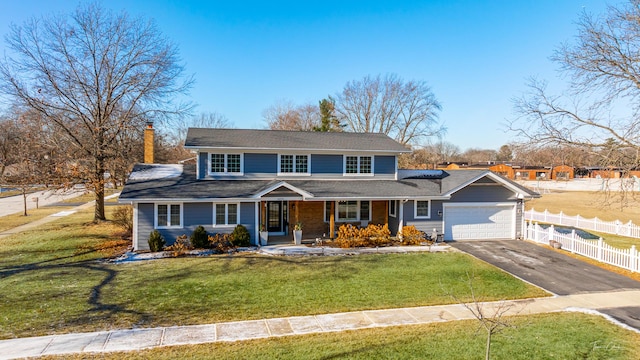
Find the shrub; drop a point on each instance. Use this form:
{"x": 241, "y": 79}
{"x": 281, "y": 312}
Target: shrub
{"x": 156, "y": 241}
{"x": 373, "y": 235}
{"x": 240, "y": 236}
{"x": 412, "y": 236}
{"x": 221, "y": 243}
{"x": 181, "y": 246}
{"x": 123, "y": 217}
{"x": 199, "y": 239}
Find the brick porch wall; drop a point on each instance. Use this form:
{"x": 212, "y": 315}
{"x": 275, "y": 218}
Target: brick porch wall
{"x": 311, "y": 215}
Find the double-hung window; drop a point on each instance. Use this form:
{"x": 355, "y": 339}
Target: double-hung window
{"x": 225, "y": 214}
{"x": 230, "y": 164}
{"x": 351, "y": 210}
{"x": 168, "y": 216}
{"x": 422, "y": 209}
{"x": 293, "y": 164}
{"x": 358, "y": 165}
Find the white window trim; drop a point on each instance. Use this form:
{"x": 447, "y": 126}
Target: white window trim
{"x": 395, "y": 208}
{"x": 226, "y": 166}
{"x": 294, "y": 173}
{"x": 169, "y": 226}
{"x": 415, "y": 209}
{"x": 359, "y": 215}
{"x": 344, "y": 165}
{"x": 226, "y": 215}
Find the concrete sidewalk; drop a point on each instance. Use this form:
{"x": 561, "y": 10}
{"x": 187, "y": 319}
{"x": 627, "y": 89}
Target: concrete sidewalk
{"x": 51, "y": 218}
{"x": 137, "y": 339}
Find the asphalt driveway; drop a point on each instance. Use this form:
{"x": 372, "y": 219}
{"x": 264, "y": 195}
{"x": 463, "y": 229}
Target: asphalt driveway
{"x": 555, "y": 272}
{"x": 548, "y": 269}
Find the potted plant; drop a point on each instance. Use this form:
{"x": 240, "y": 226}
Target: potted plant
{"x": 297, "y": 233}
{"x": 264, "y": 235}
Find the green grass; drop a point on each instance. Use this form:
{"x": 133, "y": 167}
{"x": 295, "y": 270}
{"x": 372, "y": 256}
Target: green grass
{"x": 51, "y": 281}
{"x": 90, "y": 196}
{"x": 547, "y": 336}
{"x": 14, "y": 220}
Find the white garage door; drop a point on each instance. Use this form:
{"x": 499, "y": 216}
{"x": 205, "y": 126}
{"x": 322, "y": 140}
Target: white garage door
{"x": 479, "y": 221}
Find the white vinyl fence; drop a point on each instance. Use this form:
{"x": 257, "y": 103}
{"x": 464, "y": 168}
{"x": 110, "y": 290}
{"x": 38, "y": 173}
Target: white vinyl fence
{"x": 608, "y": 227}
{"x": 595, "y": 249}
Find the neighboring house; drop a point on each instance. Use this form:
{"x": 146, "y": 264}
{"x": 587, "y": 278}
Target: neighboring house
{"x": 323, "y": 180}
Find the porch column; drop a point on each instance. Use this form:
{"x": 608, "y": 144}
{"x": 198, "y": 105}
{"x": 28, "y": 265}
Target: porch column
{"x": 332, "y": 220}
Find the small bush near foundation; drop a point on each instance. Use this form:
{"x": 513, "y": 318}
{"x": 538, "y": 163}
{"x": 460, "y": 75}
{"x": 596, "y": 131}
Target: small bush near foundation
{"x": 123, "y": 217}
{"x": 181, "y": 246}
{"x": 199, "y": 238}
{"x": 240, "y": 236}
{"x": 221, "y": 243}
{"x": 412, "y": 236}
{"x": 156, "y": 241}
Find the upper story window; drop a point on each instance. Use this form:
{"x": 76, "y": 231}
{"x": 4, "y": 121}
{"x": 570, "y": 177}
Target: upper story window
{"x": 226, "y": 164}
{"x": 293, "y": 164}
{"x": 358, "y": 165}
{"x": 168, "y": 216}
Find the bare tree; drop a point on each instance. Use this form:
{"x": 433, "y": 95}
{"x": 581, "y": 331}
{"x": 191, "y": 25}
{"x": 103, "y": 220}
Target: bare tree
{"x": 491, "y": 316}
{"x": 177, "y": 128}
{"x": 600, "y": 111}
{"x": 9, "y": 137}
{"x": 479, "y": 156}
{"x": 404, "y": 110}
{"x": 284, "y": 115}
{"x": 94, "y": 74}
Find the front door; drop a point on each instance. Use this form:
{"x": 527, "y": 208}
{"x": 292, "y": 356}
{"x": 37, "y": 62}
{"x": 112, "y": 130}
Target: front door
{"x": 276, "y": 211}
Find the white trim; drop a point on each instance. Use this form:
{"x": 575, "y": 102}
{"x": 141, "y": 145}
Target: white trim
{"x": 169, "y": 204}
{"x": 302, "y": 193}
{"x": 226, "y": 165}
{"x": 415, "y": 209}
{"x": 256, "y": 223}
{"x": 358, "y": 157}
{"x": 499, "y": 179}
{"x": 226, "y": 215}
{"x": 295, "y": 161}
{"x": 270, "y": 150}
{"x": 198, "y": 165}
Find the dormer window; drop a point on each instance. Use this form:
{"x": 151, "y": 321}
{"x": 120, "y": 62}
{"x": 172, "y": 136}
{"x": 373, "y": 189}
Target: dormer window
{"x": 227, "y": 164}
{"x": 293, "y": 165}
{"x": 358, "y": 165}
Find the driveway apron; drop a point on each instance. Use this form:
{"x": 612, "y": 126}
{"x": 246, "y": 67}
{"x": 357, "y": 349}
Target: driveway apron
{"x": 546, "y": 268}
{"x": 555, "y": 272}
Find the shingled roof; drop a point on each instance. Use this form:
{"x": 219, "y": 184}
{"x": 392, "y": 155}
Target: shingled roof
{"x": 291, "y": 140}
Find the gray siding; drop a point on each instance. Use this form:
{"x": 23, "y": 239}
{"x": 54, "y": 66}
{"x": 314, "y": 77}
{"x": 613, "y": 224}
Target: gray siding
{"x": 485, "y": 193}
{"x": 326, "y": 164}
{"x": 145, "y": 225}
{"x": 203, "y": 161}
{"x": 385, "y": 165}
{"x": 426, "y": 225}
{"x": 194, "y": 214}
{"x": 260, "y": 164}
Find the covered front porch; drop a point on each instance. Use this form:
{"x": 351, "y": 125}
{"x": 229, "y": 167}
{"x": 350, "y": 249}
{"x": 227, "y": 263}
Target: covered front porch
{"x": 319, "y": 220}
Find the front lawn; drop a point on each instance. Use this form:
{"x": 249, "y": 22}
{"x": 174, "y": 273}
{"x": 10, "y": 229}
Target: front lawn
{"x": 545, "y": 336}
{"x": 53, "y": 281}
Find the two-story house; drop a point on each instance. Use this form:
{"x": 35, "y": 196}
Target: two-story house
{"x": 274, "y": 179}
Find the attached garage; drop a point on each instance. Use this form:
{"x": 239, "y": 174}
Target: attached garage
{"x": 477, "y": 221}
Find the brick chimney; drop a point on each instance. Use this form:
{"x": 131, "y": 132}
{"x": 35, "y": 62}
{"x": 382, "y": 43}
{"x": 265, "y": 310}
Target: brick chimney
{"x": 148, "y": 143}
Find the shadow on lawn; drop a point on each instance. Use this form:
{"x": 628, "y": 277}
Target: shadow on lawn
{"x": 99, "y": 310}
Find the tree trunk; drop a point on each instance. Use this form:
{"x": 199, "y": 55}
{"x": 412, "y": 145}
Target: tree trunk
{"x": 99, "y": 191}
{"x": 487, "y": 354}
{"x": 24, "y": 200}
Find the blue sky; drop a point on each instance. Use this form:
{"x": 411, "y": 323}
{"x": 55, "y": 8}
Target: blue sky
{"x": 247, "y": 55}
